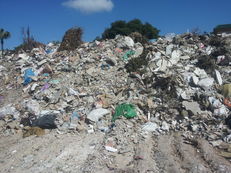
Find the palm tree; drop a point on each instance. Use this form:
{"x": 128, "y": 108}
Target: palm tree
{"x": 3, "y": 35}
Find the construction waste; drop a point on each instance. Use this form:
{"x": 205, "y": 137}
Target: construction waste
{"x": 179, "y": 83}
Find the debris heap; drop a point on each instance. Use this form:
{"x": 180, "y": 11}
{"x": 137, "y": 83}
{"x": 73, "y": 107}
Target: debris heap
{"x": 178, "y": 83}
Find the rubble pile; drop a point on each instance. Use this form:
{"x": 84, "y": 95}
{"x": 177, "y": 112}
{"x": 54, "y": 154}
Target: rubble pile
{"x": 178, "y": 83}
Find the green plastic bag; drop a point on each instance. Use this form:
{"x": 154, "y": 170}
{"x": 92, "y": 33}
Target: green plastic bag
{"x": 128, "y": 54}
{"x": 126, "y": 110}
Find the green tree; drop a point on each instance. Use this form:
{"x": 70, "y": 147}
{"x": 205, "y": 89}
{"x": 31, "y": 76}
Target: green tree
{"x": 126, "y": 28}
{"x": 3, "y": 35}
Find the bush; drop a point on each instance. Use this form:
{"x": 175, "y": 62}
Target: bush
{"x": 72, "y": 39}
{"x": 29, "y": 42}
{"x": 125, "y": 28}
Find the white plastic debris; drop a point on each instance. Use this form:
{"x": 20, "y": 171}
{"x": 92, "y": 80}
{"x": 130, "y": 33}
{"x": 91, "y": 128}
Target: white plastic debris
{"x": 33, "y": 107}
{"x": 200, "y": 73}
{"x": 96, "y": 114}
{"x": 206, "y": 82}
{"x": 150, "y": 127}
{"x": 111, "y": 149}
{"x": 9, "y": 110}
{"x": 195, "y": 80}
{"x": 218, "y": 77}
{"x": 165, "y": 126}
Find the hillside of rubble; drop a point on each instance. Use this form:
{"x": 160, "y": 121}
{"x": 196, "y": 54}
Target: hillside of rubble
{"x": 118, "y": 105}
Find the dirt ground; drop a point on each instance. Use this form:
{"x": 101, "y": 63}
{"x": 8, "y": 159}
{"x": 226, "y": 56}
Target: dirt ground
{"x": 81, "y": 152}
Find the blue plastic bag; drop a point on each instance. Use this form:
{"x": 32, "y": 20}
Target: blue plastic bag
{"x": 27, "y": 76}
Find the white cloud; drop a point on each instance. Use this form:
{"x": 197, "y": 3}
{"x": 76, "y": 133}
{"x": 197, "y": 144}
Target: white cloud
{"x": 90, "y": 6}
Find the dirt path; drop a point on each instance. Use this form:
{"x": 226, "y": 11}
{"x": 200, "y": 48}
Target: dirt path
{"x": 139, "y": 153}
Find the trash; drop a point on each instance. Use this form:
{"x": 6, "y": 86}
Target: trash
{"x": 27, "y": 76}
{"x": 75, "y": 117}
{"x": 96, "y": 114}
{"x": 46, "y": 86}
{"x": 165, "y": 126}
{"x": 228, "y": 121}
{"x": 206, "y": 83}
{"x": 32, "y": 106}
{"x": 47, "y": 69}
{"x": 9, "y": 110}
{"x": 150, "y": 127}
{"x": 195, "y": 80}
{"x": 126, "y": 110}
{"x": 169, "y": 36}
{"x": 111, "y": 149}
{"x": 128, "y": 54}
{"x": 1, "y": 99}
{"x": 171, "y": 83}
{"x": 33, "y": 87}
{"x": 45, "y": 122}
{"x": 218, "y": 77}
{"x": 226, "y": 90}
{"x": 71, "y": 91}
{"x": 227, "y": 102}
{"x": 124, "y": 42}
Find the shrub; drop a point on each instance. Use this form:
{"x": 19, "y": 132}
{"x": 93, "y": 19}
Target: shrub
{"x": 72, "y": 39}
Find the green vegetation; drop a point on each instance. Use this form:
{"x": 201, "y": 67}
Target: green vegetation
{"x": 222, "y": 28}
{"x": 126, "y": 28}
{"x": 3, "y": 35}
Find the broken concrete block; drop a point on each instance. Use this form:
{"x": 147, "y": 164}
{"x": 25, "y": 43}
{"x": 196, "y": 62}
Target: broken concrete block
{"x": 206, "y": 82}
{"x": 195, "y": 80}
{"x": 193, "y": 107}
{"x": 200, "y": 73}
{"x": 169, "y": 48}
{"x": 175, "y": 57}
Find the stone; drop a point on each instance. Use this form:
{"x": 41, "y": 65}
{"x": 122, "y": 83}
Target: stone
{"x": 129, "y": 42}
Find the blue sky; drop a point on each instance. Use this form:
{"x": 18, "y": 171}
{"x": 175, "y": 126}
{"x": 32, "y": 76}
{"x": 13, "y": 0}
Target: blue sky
{"x": 49, "y": 19}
